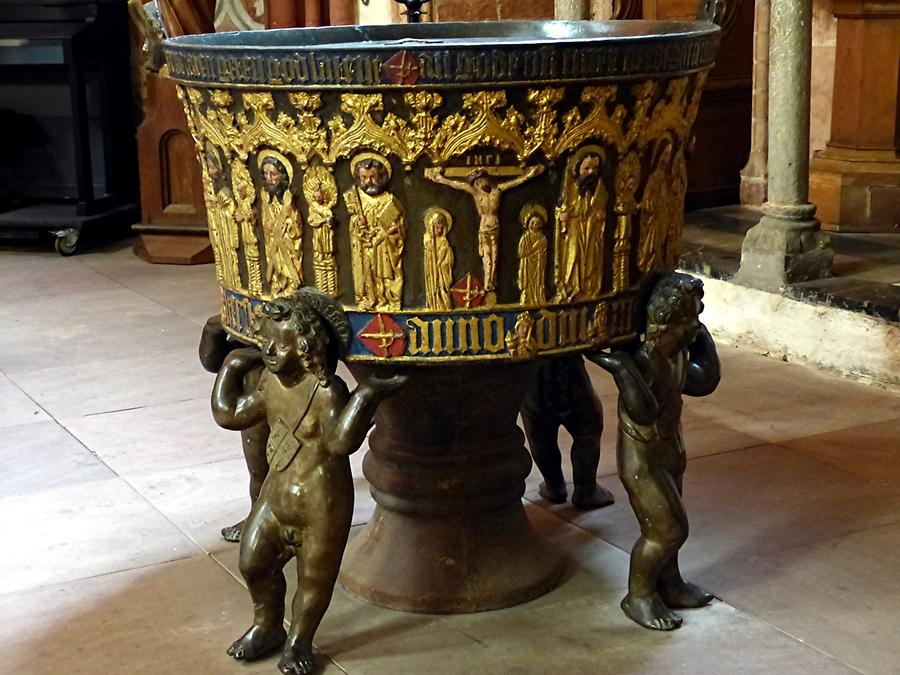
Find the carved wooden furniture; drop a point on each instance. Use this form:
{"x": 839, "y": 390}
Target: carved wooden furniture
{"x": 855, "y": 180}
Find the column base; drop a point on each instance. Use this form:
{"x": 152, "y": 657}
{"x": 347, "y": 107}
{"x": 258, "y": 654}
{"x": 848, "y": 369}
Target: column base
{"x": 856, "y": 190}
{"x": 754, "y": 180}
{"x": 784, "y": 249}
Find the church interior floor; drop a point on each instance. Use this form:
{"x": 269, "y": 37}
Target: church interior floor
{"x": 116, "y": 482}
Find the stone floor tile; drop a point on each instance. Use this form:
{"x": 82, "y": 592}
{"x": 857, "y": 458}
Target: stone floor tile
{"x": 745, "y": 503}
{"x": 838, "y": 595}
{"x": 795, "y": 403}
{"x": 577, "y": 628}
{"x": 16, "y": 407}
{"x": 82, "y": 530}
{"x": 96, "y": 326}
{"x": 176, "y": 618}
{"x": 199, "y": 499}
{"x": 35, "y": 274}
{"x": 870, "y": 450}
{"x": 73, "y": 389}
{"x": 166, "y": 284}
{"x": 39, "y": 456}
{"x": 157, "y": 438}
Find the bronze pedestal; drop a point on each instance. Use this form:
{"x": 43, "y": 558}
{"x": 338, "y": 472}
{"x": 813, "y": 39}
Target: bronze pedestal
{"x": 449, "y": 533}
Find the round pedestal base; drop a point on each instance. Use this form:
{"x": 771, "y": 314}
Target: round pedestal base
{"x": 447, "y": 465}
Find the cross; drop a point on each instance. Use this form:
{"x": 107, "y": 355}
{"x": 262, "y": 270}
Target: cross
{"x": 385, "y": 337}
{"x": 414, "y": 10}
{"x": 402, "y": 68}
{"x": 470, "y": 293}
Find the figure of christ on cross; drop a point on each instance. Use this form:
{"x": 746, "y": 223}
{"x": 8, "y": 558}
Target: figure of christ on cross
{"x": 487, "y": 194}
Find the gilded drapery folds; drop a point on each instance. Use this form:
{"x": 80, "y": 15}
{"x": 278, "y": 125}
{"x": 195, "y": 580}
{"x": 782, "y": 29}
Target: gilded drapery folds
{"x": 347, "y": 174}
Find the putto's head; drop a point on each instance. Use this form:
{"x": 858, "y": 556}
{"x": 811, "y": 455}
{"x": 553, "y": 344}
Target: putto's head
{"x": 674, "y": 309}
{"x": 295, "y": 340}
{"x": 275, "y": 175}
{"x": 372, "y": 175}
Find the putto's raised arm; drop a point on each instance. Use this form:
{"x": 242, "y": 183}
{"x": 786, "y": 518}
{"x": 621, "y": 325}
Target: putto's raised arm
{"x": 703, "y": 368}
{"x": 348, "y": 429}
{"x": 231, "y": 408}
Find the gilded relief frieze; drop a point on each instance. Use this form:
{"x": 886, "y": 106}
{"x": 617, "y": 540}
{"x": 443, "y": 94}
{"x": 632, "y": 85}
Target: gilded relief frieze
{"x": 622, "y": 117}
{"x": 605, "y": 218}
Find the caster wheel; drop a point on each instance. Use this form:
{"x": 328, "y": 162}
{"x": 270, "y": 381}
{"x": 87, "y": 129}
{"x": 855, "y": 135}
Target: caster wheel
{"x": 66, "y": 242}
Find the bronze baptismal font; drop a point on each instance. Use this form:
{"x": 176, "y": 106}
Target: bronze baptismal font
{"x": 458, "y": 212}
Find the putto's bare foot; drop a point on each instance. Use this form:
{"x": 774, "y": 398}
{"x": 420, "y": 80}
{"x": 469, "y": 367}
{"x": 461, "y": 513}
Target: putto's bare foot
{"x": 297, "y": 660}
{"x": 553, "y": 493}
{"x": 257, "y": 643}
{"x": 684, "y": 595}
{"x": 650, "y": 612}
{"x": 588, "y": 498}
{"x": 233, "y": 532}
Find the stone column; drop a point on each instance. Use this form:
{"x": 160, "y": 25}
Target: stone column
{"x": 572, "y": 10}
{"x": 753, "y": 175}
{"x": 785, "y": 246}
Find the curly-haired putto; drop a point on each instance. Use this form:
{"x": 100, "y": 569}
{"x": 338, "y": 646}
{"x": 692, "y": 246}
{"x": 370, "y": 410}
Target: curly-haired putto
{"x": 667, "y": 300}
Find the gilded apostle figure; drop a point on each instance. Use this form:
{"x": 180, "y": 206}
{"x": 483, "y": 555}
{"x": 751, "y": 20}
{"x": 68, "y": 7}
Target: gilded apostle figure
{"x": 305, "y": 505}
{"x": 656, "y": 211}
{"x": 628, "y": 175}
{"x": 245, "y": 217}
{"x": 487, "y": 194}
{"x": 677, "y": 356}
{"x": 377, "y": 234}
{"x": 533, "y": 255}
{"x": 438, "y": 259}
{"x": 281, "y": 224}
{"x": 581, "y": 224}
{"x": 223, "y": 231}
{"x": 320, "y": 190}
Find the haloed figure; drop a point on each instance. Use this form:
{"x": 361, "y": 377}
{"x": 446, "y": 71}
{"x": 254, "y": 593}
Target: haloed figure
{"x": 284, "y": 250}
{"x": 306, "y": 503}
{"x": 438, "y": 260}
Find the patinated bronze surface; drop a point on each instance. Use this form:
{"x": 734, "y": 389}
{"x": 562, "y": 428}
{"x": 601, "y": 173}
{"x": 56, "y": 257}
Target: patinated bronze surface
{"x": 215, "y": 345}
{"x": 562, "y": 396}
{"x": 677, "y": 356}
{"x": 472, "y": 195}
{"x": 305, "y": 504}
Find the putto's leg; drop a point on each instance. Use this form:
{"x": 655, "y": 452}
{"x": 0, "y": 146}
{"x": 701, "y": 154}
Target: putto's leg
{"x": 588, "y": 494}
{"x": 673, "y": 589}
{"x": 541, "y": 432}
{"x": 263, "y": 556}
{"x": 656, "y": 504}
{"x": 318, "y": 564}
